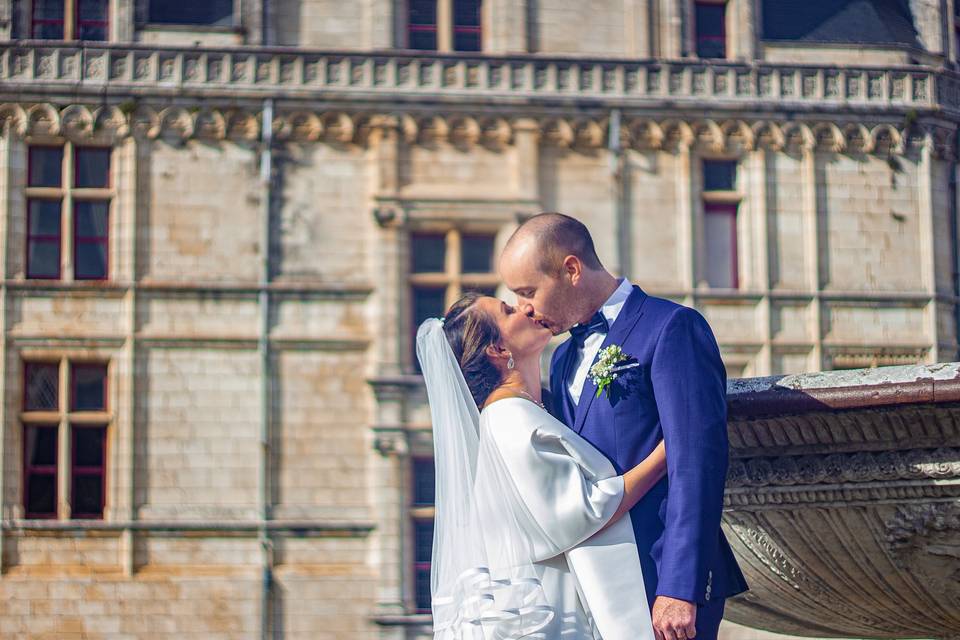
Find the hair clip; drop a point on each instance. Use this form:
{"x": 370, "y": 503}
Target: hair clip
{"x": 441, "y": 321}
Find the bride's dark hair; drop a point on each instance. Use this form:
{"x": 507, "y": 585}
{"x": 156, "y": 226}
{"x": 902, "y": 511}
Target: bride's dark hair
{"x": 470, "y": 331}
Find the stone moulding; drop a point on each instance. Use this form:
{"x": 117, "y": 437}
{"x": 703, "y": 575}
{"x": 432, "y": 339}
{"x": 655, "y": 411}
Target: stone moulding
{"x": 111, "y": 123}
{"x": 259, "y": 72}
{"x": 843, "y": 501}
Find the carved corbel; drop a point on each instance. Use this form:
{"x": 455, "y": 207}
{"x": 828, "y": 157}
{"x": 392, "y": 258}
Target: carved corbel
{"x": 43, "y": 120}
{"x": 769, "y": 136}
{"x": 76, "y": 122}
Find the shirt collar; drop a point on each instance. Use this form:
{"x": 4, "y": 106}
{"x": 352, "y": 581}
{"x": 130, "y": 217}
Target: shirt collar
{"x": 611, "y": 308}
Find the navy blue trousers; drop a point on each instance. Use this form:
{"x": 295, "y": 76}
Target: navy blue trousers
{"x": 708, "y": 620}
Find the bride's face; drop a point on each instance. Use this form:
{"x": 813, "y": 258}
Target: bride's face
{"x": 520, "y": 333}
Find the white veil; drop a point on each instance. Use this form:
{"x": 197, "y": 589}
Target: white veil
{"x": 483, "y": 582}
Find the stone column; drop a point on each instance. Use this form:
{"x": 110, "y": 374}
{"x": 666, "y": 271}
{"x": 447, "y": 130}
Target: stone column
{"x": 670, "y": 29}
{"x": 526, "y": 135}
{"x": 122, "y": 21}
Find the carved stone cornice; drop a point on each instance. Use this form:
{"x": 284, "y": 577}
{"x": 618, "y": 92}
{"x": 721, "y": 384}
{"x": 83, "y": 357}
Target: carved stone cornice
{"x": 32, "y": 67}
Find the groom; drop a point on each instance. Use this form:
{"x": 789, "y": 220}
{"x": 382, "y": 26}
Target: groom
{"x": 671, "y": 385}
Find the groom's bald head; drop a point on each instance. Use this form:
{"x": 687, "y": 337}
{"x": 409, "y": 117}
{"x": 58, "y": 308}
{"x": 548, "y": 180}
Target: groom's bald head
{"x": 551, "y": 238}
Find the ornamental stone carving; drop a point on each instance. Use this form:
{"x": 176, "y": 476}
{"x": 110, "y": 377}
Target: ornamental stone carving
{"x": 843, "y": 497}
{"x": 584, "y": 135}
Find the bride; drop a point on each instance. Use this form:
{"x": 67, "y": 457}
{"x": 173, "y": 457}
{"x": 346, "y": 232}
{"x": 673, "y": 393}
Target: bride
{"x": 532, "y": 537}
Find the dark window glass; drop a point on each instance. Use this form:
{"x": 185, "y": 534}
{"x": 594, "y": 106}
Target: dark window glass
{"x": 48, "y": 9}
{"x": 41, "y": 498}
{"x": 217, "y": 13}
{"x": 43, "y": 239}
{"x": 91, "y": 239}
{"x": 476, "y": 254}
{"x": 89, "y": 387}
{"x": 46, "y": 166}
{"x": 92, "y": 167}
{"x": 483, "y": 290}
{"x": 422, "y": 586}
{"x": 423, "y": 547}
{"x": 719, "y": 175}
{"x": 91, "y": 261}
{"x": 92, "y": 19}
{"x": 43, "y": 259}
{"x": 423, "y": 540}
{"x": 92, "y": 217}
{"x": 44, "y": 218}
{"x": 88, "y": 446}
{"x": 42, "y": 386}
{"x": 40, "y": 471}
{"x": 428, "y": 302}
{"x": 720, "y": 231}
{"x": 41, "y": 447}
{"x": 429, "y": 253}
{"x": 466, "y": 25}
{"x": 422, "y": 24}
{"x": 711, "y": 30}
{"x": 88, "y": 472}
{"x": 48, "y": 19}
{"x": 87, "y": 493}
{"x": 423, "y": 483}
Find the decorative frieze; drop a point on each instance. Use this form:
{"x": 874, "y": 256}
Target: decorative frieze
{"x": 112, "y": 122}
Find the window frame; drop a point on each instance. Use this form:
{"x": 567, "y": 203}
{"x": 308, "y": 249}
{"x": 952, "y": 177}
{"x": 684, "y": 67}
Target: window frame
{"x": 722, "y": 202}
{"x": 724, "y": 37}
{"x": 444, "y": 27}
{"x": 66, "y": 420}
{"x": 452, "y": 279}
{"x": 730, "y": 209}
{"x": 29, "y": 471}
{"x": 88, "y": 471}
{"x": 419, "y": 513}
{"x": 199, "y": 26}
{"x": 68, "y": 195}
{"x": 71, "y": 21}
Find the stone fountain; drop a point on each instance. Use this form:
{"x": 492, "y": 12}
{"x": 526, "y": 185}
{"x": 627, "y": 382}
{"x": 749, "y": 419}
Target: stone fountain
{"x": 843, "y": 502}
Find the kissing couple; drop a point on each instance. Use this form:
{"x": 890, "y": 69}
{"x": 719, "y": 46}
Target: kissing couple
{"x": 593, "y": 513}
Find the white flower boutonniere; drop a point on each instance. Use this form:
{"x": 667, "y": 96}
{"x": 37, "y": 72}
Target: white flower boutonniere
{"x": 608, "y": 367}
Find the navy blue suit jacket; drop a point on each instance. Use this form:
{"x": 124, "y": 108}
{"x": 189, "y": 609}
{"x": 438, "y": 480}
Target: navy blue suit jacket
{"x": 677, "y": 393}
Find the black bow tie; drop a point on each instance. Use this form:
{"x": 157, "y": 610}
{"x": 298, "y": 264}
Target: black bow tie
{"x": 580, "y": 332}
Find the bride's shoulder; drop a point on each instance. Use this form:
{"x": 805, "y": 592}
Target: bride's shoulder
{"x": 514, "y": 415}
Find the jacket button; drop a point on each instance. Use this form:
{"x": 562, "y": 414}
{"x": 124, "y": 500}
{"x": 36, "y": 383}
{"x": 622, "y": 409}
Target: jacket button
{"x": 706, "y": 596}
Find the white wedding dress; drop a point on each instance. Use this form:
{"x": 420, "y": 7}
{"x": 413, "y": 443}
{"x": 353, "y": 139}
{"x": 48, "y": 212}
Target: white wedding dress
{"x": 518, "y": 550}
{"x": 564, "y": 492}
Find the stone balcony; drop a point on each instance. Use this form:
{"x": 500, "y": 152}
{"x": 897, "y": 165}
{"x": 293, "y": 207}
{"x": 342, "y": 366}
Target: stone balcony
{"x": 42, "y": 69}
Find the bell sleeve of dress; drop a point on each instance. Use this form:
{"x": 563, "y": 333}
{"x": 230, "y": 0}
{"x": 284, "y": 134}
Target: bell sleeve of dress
{"x": 552, "y": 483}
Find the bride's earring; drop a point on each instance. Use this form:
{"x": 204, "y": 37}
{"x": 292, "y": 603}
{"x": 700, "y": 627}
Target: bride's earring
{"x": 510, "y": 363}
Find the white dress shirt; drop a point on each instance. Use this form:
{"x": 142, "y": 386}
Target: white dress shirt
{"x": 585, "y": 355}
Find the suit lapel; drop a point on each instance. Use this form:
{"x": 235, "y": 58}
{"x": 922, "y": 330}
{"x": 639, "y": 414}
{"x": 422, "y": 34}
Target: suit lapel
{"x": 558, "y": 383}
{"x": 626, "y": 320}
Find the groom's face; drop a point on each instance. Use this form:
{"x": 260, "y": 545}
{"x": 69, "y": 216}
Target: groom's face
{"x": 551, "y": 300}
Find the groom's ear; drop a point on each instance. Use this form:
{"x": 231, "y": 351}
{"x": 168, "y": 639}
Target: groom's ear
{"x": 572, "y": 268}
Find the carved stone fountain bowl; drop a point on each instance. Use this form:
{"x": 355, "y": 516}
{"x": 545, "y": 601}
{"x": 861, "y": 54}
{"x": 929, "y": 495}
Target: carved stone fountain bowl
{"x": 843, "y": 502}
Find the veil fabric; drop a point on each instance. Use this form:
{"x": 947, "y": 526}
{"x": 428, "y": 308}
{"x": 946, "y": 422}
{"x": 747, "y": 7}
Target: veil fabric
{"x": 483, "y": 582}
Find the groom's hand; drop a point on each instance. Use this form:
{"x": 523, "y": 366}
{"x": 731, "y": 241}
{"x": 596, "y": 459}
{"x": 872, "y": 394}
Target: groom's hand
{"x": 674, "y": 619}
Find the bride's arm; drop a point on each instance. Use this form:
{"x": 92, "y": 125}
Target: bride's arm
{"x": 640, "y": 479}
